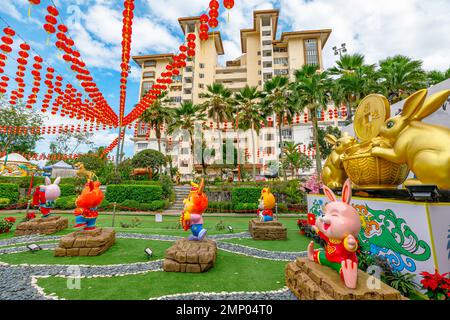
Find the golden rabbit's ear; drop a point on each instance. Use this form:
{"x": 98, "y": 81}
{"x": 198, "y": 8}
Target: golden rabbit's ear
{"x": 331, "y": 139}
{"x": 432, "y": 104}
{"x": 413, "y": 103}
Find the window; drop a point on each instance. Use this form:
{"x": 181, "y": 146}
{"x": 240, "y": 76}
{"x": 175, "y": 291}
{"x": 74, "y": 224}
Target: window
{"x": 265, "y": 21}
{"x": 202, "y": 66}
{"x": 150, "y": 74}
{"x": 267, "y": 76}
{"x": 187, "y": 91}
{"x": 185, "y": 151}
{"x": 150, "y": 63}
{"x": 312, "y": 55}
{"x": 259, "y": 62}
{"x": 283, "y": 61}
{"x": 270, "y": 137}
{"x": 201, "y": 85}
{"x": 270, "y": 150}
{"x": 267, "y": 43}
{"x": 267, "y": 64}
{"x": 259, "y": 53}
{"x": 280, "y": 49}
{"x": 184, "y": 164}
{"x": 147, "y": 85}
{"x": 281, "y": 72}
{"x": 267, "y": 53}
{"x": 188, "y": 69}
{"x": 176, "y": 78}
{"x": 188, "y": 80}
{"x": 201, "y": 75}
{"x": 142, "y": 146}
{"x": 287, "y": 134}
{"x": 267, "y": 33}
{"x": 176, "y": 99}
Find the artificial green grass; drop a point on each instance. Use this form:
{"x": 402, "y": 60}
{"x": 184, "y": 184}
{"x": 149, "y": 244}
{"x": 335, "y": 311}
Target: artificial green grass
{"x": 295, "y": 243}
{"x": 167, "y": 227}
{"x": 123, "y": 251}
{"x": 231, "y": 273}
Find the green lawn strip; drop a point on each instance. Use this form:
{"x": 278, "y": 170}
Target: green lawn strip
{"x": 294, "y": 243}
{"x": 124, "y": 251}
{"x": 231, "y": 273}
{"x": 28, "y": 242}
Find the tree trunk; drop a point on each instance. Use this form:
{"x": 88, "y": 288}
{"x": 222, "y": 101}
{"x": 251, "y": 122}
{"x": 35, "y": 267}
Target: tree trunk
{"x": 349, "y": 111}
{"x": 316, "y": 141}
{"x": 281, "y": 147}
{"x": 238, "y": 151}
{"x": 191, "y": 137}
{"x": 254, "y": 151}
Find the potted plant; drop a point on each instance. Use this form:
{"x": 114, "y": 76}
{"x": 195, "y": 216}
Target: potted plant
{"x": 6, "y": 224}
{"x": 437, "y": 285}
{"x": 29, "y": 216}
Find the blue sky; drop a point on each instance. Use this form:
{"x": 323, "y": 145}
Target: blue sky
{"x": 375, "y": 28}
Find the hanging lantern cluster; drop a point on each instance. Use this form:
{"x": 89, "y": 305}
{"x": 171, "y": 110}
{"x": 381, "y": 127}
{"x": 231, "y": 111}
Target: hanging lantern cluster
{"x": 110, "y": 147}
{"x": 20, "y": 74}
{"x": 51, "y": 20}
{"x": 213, "y": 14}
{"x": 5, "y": 47}
{"x": 36, "y": 73}
{"x": 49, "y": 94}
{"x": 126, "y": 49}
{"x": 204, "y": 28}
{"x": 191, "y": 45}
{"x": 42, "y": 130}
{"x": 33, "y": 3}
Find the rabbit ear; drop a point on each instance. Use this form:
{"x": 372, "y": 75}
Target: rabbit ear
{"x": 413, "y": 103}
{"x": 57, "y": 180}
{"x": 329, "y": 193}
{"x": 347, "y": 192}
{"x": 47, "y": 181}
{"x": 330, "y": 139}
{"x": 432, "y": 104}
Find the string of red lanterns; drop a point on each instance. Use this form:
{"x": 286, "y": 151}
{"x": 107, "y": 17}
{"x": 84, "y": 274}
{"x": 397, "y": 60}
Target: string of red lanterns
{"x": 41, "y": 130}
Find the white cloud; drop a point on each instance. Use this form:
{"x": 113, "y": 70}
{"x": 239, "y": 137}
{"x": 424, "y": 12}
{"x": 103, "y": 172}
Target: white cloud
{"x": 378, "y": 29}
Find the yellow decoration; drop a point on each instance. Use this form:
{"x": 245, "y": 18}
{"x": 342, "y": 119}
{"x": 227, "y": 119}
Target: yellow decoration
{"x": 389, "y": 147}
{"x": 268, "y": 198}
{"x": 333, "y": 174}
{"x": 82, "y": 172}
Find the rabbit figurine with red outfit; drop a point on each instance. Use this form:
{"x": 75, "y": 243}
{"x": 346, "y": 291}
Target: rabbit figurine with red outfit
{"x": 45, "y": 196}
{"x": 339, "y": 227}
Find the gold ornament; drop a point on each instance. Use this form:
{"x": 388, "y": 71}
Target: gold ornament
{"x": 372, "y": 112}
{"x": 425, "y": 148}
{"x": 333, "y": 174}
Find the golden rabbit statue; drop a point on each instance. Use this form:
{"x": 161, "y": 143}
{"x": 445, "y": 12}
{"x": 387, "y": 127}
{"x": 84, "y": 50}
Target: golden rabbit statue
{"x": 425, "y": 148}
{"x": 333, "y": 174}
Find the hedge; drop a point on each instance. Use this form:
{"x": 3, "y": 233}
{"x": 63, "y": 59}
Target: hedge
{"x": 220, "y": 207}
{"x": 65, "y": 203}
{"x": 245, "y": 207}
{"x": 129, "y": 205}
{"x": 67, "y": 190}
{"x": 245, "y": 195}
{"x": 10, "y": 191}
{"x": 24, "y": 182}
{"x": 4, "y": 202}
{"x": 140, "y": 193}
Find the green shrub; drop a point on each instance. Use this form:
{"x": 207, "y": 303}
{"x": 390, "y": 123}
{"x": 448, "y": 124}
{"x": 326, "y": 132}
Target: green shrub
{"x": 67, "y": 190}
{"x": 224, "y": 206}
{"x": 105, "y": 205}
{"x": 133, "y": 205}
{"x": 66, "y": 203}
{"x": 245, "y": 195}
{"x": 245, "y": 207}
{"x": 142, "y": 182}
{"x": 4, "y": 202}
{"x": 10, "y": 191}
{"x": 128, "y": 205}
{"x": 24, "y": 182}
{"x": 140, "y": 193}
{"x": 157, "y": 205}
{"x": 167, "y": 186}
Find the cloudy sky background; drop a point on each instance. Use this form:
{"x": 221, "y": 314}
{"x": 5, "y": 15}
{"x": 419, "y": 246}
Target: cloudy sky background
{"x": 376, "y": 28}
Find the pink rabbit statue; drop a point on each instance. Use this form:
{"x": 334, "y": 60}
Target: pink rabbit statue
{"x": 339, "y": 227}
{"x": 45, "y": 196}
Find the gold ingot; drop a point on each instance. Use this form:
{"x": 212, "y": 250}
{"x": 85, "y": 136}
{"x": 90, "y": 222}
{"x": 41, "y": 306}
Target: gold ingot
{"x": 370, "y": 115}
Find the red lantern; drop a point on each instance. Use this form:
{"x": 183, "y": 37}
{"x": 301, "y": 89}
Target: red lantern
{"x": 203, "y": 36}
{"x": 213, "y": 23}
{"x": 213, "y": 14}
{"x": 229, "y": 4}
{"x": 214, "y": 5}
{"x": 191, "y": 37}
{"x": 204, "y": 18}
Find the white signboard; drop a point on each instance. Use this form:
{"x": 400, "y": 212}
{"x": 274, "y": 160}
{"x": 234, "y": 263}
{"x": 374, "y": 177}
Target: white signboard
{"x": 158, "y": 217}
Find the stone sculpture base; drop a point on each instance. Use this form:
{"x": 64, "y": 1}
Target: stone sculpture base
{"x": 48, "y": 225}
{"x": 311, "y": 281}
{"x": 190, "y": 256}
{"x": 86, "y": 243}
{"x": 272, "y": 230}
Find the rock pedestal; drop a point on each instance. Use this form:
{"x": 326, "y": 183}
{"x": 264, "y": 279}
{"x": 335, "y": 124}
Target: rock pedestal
{"x": 311, "y": 281}
{"x": 85, "y": 243}
{"x": 48, "y": 225}
{"x": 272, "y": 230}
{"x": 190, "y": 256}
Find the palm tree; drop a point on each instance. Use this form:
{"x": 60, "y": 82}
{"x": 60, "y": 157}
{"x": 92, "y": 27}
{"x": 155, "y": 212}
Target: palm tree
{"x": 158, "y": 115}
{"x": 401, "y": 76}
{"x": 310, "y": 90}
{"x": 185, "y": 118}
{"x": 435, "y": 77}
{"x": 355, "y": 78}
{"x": 249, "y": 115}
{"x": 217, "y": 104}
{"x": 276, "y": 92}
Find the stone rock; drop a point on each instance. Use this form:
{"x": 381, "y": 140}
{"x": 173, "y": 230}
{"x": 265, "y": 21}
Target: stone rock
{"x": 46, "y": 226}
{"x": 190, "y": 256}
{"x": 311, "y": 281}
{"x": 272, "y": 230}
{"x": 85, "y": 243}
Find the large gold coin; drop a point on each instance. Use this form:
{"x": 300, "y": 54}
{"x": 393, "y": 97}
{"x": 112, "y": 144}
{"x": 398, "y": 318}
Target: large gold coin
{"x": 371, "y": 113}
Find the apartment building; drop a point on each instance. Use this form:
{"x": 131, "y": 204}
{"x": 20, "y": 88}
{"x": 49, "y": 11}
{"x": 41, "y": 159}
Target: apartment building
{"x": 263, "y": 57}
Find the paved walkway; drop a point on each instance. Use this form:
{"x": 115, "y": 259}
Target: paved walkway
{"x": 18, "y": 282}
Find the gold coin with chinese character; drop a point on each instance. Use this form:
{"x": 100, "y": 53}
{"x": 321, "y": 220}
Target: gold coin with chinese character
{"x": 371, "y": 113}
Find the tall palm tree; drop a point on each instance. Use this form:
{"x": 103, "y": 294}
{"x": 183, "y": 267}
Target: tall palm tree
{"x": 401, "y": 76}
{"x": 217, "y": 104}
{"x": 355, "y": 77}
{"x": 276, "y": 92}
{"x": 295, "y": 159}
{"x": 158, "y": 115}
{"x": 249, "y": 114}
{"x": 185, "y": 118}
{"x": 310, "y": 90}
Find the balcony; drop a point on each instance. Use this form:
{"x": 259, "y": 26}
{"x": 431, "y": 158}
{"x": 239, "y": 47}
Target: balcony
{"x": 220, "y": 77}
